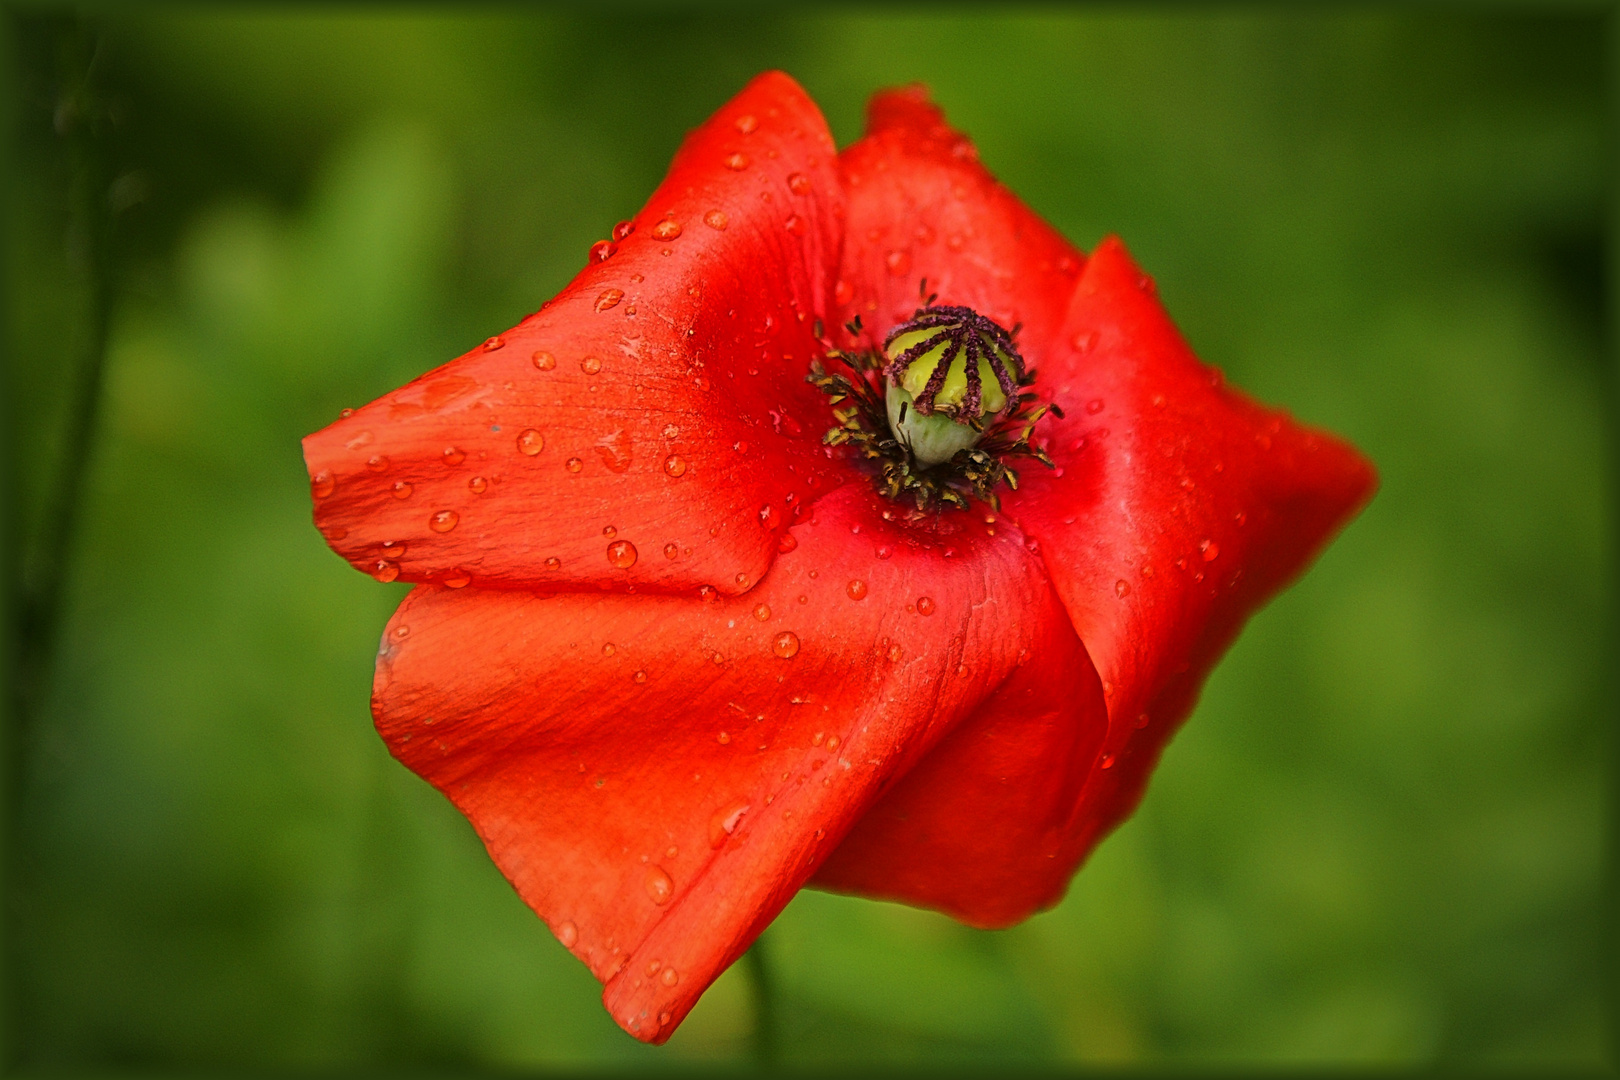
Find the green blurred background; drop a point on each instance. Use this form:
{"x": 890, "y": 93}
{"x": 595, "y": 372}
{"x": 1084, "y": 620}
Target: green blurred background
{"x": 1381, "y": 838}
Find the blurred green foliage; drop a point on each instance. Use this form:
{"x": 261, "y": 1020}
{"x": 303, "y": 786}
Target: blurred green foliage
{"x": 1380, "y": 839}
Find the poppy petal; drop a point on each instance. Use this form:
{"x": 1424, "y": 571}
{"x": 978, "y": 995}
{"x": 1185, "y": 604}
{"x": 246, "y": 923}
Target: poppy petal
{"x": 658, "y": 775}
{"x": 922, "y": 209}
{"x": 651, "y": 426}
{"x": 1178, "y": 507}
{"x": 981, "y": 828}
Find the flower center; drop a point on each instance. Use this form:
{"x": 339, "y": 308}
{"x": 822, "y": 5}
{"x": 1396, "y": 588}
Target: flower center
{"x": 940, "y": 411}
{"x": 948, "y": 369}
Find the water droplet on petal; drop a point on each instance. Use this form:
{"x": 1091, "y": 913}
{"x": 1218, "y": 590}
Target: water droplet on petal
{"x": 925, "y": 605}
{"x": 573, "y": 465}
{"x": 671, "y": 550}
{"x": 659, "y": 886}
{"x": 622, "y": 554}
{"x": 1107, "y": 761}
{"x": 675, "y": 465}
{"x": 742, "y": 580}
{"x": 1094, "y": 406}
{"x": 1210, "y": 550}
{"x": 1142, "y": 720}
{"x": 1122, "y": 588}
{"x": 321, "y": 484}
{"x": 898, "y": 263}
{"x": 762, "y": 613}
{"x": 669, "y": 978}
{"x": 843, "y": 292}
{"x": 544, "y": 360}
{"x": 795, "y": 225}
{"x": 496, "y": 342}
{"x": 602, "y": 250}
{"x": 770, "y": 517}
{"x": 737, "y": 162}
{"x": 786, "y": 645}
{"x": 553, "y": 563}
{"x": 590, "y": 365}
{"x": 785, "y": 543}
{"x": 666, "y": 230}
{"x": 856, "y": 589}
{"x": 894, "y": 651}
{"x": 609, "y": 298}
{"x": 798, "y": 183}
{"x": 614, "y": 448}
{"x": 377, "y": 464}
{"x": 716, "y": 219}
{"x": 384, "y": 571}
{"x": 454, "y": 455}
{"x": 443, "y": 521}
{"x": 531, "y": 442}
{"x": 344, "y": 414}
{"x": 609, "y": 531}
{"x": 567, "y": 933}
{"x": 724, "y": 738}
{"x": 402, "y": 490}
{"x": 724, "y": 822}
{"x": 609, "y": 649}
{"x": 392, "y": 549}
{"x": 457, "y": 580}
{"x": 640, "y": 676}
{"x": 883, "y": 551}
{"x": 623, "y": 229}
{"x": 746, "y": 123}
{"x": 478, "y": 485}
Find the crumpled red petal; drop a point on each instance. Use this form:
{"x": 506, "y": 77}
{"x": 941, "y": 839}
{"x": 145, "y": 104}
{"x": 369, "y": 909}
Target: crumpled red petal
{"x": 922, "y": 207}
{"x": 650, "y": 427}
{"x": 1178, "y": 507}
{"x": 657, "y": 776}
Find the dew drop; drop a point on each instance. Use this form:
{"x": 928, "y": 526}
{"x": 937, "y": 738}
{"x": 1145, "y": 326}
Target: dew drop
{"x": 770, "y": 517}
{"x": 742, "y": 580}
{"x": 567, "y": 933}
{"x": 443, "y": 521}
{"x": 602, "y": 250}
{"x": 762, "y": 613}
{"x": 1209, "y": 549}
{"x": 659, "y": 886}
{"x": 384, "y": 571}
{"x": 925, "y": 605}
{"x": 377, "y": 464}
{"x": 454, "y": 455}
{"x": 666, "y": 230}
{"x": 321, "y": 484}
{"x": 573, "y": 465}
{"x": 1142, "y": 720}
{"x": 615, "y": 450}
{"x": 640, "y": 676}
{"x": 553, "y": 563}
{"x": 622, "y": 554}
{"x": 609, "y": 649}
{"x": 746, "y": 123}
{"x": 798, "y": 183}
{"x": 664, "y": 1018}
{"x": 786, "y": 543}
{"x": 894, "y": 651}
{"x": 737, "y": 162}
{"x": 1122, "y": 588}
{"x": 1094, "y": 406}
{"x": 609, "y": 298}
{"x": 856, "y": 589}
{"x": 794, "y": 224}
{"x": 478, "y": 485}
{"x": 883, "y": 551}
{"x": 457, "y": 580}
{"x": 496, "y": 342}
{"x": 402, "y": 490}
{"x": 344, "y": 414}
{"x": 544, "y": 360}
{"x": 609, "y": 531}
{"x": 671, "y": 550}
{"x": 843, "y": 292}
{"x": 590, "y": 365}
{"x": 724, "y": 738}
{"x": 531, "y": 442}
{"x": 1107, "y": 761}
{"x": 786, "y": 645}
{"x": 623, "y": 229}
{"x": 675, "y": 465}
{"x": 898, "y": 263}
{"x": 669, "y": 978}
{"x": 401, "y": 633}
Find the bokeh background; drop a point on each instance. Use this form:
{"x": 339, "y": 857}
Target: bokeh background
{"x": 1381, "y": 839}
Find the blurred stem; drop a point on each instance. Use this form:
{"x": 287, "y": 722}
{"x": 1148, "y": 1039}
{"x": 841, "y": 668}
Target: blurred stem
{"x": 765, "y": 1046}
{"x": 80, "y": 119}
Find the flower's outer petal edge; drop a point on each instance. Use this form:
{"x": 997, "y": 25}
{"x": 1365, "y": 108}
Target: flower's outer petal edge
{"x": 582, "y": 734}
{"x": 659, "y": 401}
{"x": 1178, "y": 507}
{"x": 923, "y": 209}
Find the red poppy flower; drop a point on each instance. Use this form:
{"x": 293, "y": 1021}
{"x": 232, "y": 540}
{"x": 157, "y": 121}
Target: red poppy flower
{"x": 675, "y": 658}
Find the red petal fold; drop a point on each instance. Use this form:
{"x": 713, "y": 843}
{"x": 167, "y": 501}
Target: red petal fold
{"x": 658, "y": 775}
{"x": 922, "y": 207}
{"x": 1178, "y": 507}
{"x": 650, "y": 427}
